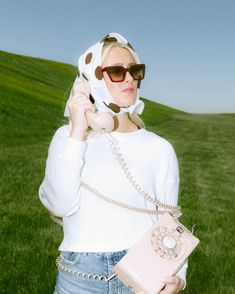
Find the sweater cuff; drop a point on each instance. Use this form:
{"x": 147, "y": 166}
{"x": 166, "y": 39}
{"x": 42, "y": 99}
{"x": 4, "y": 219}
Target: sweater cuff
{"x": 74, "y": 149}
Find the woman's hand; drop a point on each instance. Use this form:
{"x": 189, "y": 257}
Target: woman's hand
{"x": 173, "y": 285}
{"x": 78, "y": 105}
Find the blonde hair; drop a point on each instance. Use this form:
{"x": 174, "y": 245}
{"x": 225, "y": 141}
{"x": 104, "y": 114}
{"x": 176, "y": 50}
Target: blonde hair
{"x": 135, "y": 118}
{"x": 107, "y": 46}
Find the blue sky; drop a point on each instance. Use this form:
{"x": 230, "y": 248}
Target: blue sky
{"x": 188, "y": 45}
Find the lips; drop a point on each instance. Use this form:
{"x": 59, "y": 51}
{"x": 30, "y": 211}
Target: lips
{"x": 128, "y": 90}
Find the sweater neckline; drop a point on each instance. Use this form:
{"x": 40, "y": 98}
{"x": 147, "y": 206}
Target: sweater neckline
{"x": 127, "y": 134}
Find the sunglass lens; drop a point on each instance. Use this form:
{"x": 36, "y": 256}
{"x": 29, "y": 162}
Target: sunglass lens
{"x": 116, "y": 73}
{"x": 137, "y": 71}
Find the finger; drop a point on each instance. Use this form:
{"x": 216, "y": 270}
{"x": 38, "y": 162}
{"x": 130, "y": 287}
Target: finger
{"x": 91, "y": 108}
{"x": 79, "y": 96}
{"x": 82, "y": 103}
{"x": 82, "y": 87}
{"x": 169, "y": 289}
{"x": 81, "y": 108}
{"x": 88, "y": 106}
{"x": 171, "y": 280}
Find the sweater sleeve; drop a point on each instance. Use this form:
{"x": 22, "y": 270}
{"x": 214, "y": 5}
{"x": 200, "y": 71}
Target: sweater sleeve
{"x": 59, "y": 191}
{"x": 167, "y": 188}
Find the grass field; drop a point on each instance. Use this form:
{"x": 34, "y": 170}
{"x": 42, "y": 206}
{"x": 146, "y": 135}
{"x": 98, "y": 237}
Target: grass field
{"x": 33, "y": 93}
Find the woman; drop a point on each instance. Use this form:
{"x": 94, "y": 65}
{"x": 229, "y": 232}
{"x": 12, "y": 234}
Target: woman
{"x": 97, "y": 234}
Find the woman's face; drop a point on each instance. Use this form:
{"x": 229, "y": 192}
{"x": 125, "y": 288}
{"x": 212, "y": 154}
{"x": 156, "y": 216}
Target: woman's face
{"x": 123, "y": 93}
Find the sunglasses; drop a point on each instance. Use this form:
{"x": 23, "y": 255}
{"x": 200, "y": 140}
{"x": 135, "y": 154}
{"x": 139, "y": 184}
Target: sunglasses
{"x": 117, "y": 73}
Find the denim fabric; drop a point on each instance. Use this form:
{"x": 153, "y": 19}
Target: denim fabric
{"x": 94, "y": 263}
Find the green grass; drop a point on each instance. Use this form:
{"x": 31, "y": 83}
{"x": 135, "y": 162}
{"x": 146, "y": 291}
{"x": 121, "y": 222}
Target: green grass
{"x": 33, "y": 93}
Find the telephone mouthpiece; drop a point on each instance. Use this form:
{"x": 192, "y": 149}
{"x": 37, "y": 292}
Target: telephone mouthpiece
{"x": 100, "y": 121}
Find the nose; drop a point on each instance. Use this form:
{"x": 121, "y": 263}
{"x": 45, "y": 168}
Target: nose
{"x": 128, "y": 77}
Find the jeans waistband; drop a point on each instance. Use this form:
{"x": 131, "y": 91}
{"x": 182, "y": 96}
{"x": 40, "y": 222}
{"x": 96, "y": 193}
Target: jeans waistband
{"x": 94, "y": 265}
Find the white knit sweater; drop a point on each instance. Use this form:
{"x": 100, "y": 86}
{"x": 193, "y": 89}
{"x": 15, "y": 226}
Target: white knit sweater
{"x": 92, "y": 224}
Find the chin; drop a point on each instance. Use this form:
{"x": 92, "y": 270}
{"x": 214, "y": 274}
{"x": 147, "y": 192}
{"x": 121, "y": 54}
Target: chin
{"x": 127, "y": 100}
{"x": 126, "y": 103}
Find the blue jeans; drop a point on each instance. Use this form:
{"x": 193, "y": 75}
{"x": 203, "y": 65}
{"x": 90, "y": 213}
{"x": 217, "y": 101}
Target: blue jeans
{"x": 96, "y": 263}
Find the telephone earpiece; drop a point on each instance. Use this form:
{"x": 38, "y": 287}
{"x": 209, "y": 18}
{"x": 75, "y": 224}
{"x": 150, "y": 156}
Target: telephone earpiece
{"x": 100, "y": 121}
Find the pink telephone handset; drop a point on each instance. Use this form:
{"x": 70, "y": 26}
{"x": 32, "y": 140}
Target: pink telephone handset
{"x": 99, "y": 121}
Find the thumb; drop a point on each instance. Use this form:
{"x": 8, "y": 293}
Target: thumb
{"x": 93, "y": 108}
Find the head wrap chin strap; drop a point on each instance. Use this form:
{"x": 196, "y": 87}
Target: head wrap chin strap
{"x": 89, "y": 66}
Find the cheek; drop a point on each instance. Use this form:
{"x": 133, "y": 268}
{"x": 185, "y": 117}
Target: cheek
{"x": 108, "y": 83}
{"x": 112, "y": 87}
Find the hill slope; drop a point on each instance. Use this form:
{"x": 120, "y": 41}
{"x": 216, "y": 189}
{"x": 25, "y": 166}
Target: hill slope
{"x": 34, "y": 89}
{"x": 33, "y": 93}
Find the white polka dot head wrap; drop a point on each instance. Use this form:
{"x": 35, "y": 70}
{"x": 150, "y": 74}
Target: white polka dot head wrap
{"x": 89, "y": 66}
